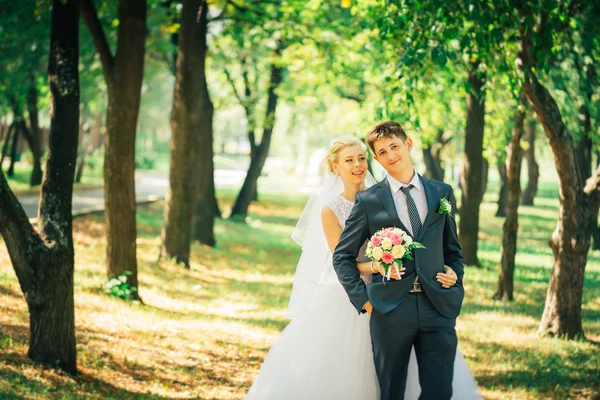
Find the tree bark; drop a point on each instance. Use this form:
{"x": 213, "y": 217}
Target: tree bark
{"x": 13, "y": 149}
{"x": 186, "y": 125}
{"x": 471, "y": 175}
{"x": 596, "y": 235}
{"x": 44, "y": 260}
{"x": 35, "y": 135}
{"x": 503, "y": 196}
{"x": 511, "y": 223}
{"x": 579, "y": 202}
{"x": 81, "y": 162}
{"x": 432, "y": 157}
{"x": 259, "y": 152}
{"x": 123, "y": 74}
{"x": 9, "y": 134}
{"x": 533, "y": 169}
{"x": 82, "y": 150}
{"x": 31, "y": 135}
{"x": 204, "y": 213}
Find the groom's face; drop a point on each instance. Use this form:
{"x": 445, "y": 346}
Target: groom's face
{"x": 393, "y": 154}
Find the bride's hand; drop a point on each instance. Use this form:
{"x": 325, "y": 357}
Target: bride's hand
{"x": 377, "y": 267}
{"x": 448, "y": 278}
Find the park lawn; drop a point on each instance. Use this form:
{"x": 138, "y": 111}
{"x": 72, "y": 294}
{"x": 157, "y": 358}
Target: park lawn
{"x": 204, "y": 332}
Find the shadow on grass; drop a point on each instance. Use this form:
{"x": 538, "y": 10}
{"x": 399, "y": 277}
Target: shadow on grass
{"x": 181, "y": 374}
{"x": 54, "y": 389}
{"x": 10, "y": 292}
{"x": 559, "y": 373}
{"x": 54, "y": 385}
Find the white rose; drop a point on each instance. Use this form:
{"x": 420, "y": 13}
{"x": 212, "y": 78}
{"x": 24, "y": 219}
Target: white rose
{"x": 398, "y": 231}
{"x": 386, "y": 243}
{"x": 407, "y": 240}
{"x": 398, "y": 251}
{"x": 377, "y": 253}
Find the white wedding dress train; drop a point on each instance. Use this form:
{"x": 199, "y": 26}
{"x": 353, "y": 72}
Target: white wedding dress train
{"x": 326, "y": 353}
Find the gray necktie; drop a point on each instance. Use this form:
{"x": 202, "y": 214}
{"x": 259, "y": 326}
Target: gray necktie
{"x": 413, "y": 212}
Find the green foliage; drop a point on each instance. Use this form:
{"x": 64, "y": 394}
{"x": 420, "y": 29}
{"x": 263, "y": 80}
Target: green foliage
{"x": 119, "y": 287}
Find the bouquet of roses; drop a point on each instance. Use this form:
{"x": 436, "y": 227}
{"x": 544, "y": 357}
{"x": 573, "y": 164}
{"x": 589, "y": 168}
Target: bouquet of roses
{"x": 389, "y": 246}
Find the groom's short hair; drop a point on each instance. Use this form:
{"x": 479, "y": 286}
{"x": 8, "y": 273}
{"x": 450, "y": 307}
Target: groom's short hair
{"x": 387, "y": 129}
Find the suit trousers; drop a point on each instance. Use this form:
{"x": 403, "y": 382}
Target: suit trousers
{"x": 415, "y": 322}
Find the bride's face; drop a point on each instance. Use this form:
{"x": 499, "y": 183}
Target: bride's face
{"x": 351, "y": 165}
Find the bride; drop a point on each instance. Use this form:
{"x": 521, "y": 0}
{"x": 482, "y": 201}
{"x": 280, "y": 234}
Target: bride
{"x": 325, "y": 351}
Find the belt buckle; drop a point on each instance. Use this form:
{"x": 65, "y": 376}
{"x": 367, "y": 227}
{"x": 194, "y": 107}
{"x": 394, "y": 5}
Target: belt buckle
{"x": 416, "y": 288}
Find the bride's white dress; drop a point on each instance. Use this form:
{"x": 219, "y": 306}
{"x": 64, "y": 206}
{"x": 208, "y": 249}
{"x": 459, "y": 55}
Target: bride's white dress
{"x": 326, "y": 354}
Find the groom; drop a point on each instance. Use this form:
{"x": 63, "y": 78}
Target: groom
{"x": 416, "y": 310}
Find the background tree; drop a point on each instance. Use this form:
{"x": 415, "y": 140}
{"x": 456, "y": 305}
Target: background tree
{"x": 43, "y": 259}
{"x": 511, "y": 223}
{"x": 123, "y": 75}
{"x": 191, "y": 118}
{"x": 26, "y": 52}
{"x": 579, "y": 200}
{"x": 533, "y": 169}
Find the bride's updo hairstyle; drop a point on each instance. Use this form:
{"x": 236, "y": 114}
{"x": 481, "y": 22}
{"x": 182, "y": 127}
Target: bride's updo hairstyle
{"x": 338, "y": 145}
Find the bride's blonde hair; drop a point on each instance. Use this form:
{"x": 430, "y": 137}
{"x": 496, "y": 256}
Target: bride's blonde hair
{"x": 337, "y": 145}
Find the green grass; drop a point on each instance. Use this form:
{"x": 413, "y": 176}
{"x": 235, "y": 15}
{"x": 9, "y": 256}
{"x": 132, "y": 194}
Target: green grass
{"x": 204, "y": 332}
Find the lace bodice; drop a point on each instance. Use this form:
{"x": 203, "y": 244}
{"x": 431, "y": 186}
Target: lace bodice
{"x": 341, "y": 208}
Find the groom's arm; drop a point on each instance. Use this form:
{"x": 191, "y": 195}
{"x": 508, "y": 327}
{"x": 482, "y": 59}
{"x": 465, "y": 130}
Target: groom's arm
{"x": 452, "y": 249}
{"x": 344, "y": 257}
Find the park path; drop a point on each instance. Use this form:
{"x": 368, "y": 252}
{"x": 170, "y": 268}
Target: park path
{"x": 148, "y": 187}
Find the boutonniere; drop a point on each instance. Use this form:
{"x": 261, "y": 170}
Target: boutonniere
{"x": 445, "y": 206}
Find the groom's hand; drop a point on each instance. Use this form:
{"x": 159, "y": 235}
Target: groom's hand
{"x": 447, "y": 279}
{"x": 368, "y": 307}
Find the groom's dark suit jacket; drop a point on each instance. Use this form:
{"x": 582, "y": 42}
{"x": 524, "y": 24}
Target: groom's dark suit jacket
{"x": 373, "y": 210}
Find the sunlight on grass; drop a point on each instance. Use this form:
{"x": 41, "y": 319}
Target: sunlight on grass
{"x": 203, "y": 332}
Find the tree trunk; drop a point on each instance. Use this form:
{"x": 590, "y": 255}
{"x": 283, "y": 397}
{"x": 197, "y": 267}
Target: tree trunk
{"x": 123, "y": 74}
{"x": 471, "y": 175}
{"x": 259, "y": 153}
{"x": 13, "y": 149}
{"x": 503, "y": 196}
{"x": 511, "y": 223}
{"x": 44, "y": 261}
{"x": 432, "y": 157}
{"x": 204, "y": 215}
{"x": 533, "y": 169}
{"x": 186, "y": 122}
{"x": 583, "y": 151}
{"x": 596, "y": 235}
{"x": 35, "y": 135}
{"x": 433, "y": 169}
{"x": 485, "y": 172}
{"x": 94, "y": 141}
{"x": 11, "y": 131}
{"x": 217, "y": 209}
{"x": 579, "y": 203}
{"x": 81, "y": 162}
{"x": 32, "y": 136}
{"x": 83, "y": 146}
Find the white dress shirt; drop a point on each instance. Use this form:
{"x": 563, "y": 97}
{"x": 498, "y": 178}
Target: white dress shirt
{"x": 418, "y": 195}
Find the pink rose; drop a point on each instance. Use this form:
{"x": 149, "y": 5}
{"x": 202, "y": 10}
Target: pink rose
{"x": 385, "y": 233}
{"x": 396, "y": 240}
{"x": 376, "y": 241}
{"x": 387, "y": 258}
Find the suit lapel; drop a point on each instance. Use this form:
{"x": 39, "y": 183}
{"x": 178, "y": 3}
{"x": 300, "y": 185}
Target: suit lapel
{"x": 433, "y": 200}
{"x": 385, "y": 196}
